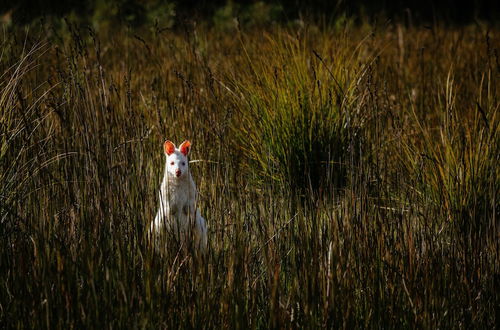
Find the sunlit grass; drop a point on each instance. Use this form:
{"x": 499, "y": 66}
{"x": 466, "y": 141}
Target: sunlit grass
{"x": 348, "y": 177}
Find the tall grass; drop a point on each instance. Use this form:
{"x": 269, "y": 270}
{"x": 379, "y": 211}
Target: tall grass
{"x": 301, "y": 116}
{"x": 348, "y": 177}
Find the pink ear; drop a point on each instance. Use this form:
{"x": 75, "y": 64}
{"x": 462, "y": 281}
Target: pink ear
{"x": 185, "y": 147}
{"x": 169, "y": 147}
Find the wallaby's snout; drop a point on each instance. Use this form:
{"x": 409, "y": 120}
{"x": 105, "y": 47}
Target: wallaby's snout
{"x": 178, "y": 173}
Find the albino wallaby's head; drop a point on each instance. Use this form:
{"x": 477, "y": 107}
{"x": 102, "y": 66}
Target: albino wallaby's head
{"x": 177, "y": 162}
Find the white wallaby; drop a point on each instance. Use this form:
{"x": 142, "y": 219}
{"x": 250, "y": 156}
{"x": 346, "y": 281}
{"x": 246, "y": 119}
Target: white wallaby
{"x": 178, "y": 215}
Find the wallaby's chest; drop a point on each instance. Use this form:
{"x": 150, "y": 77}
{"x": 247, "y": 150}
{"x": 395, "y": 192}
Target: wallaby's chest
{"x": 178, "y": 198}
{"x": 179, "y": 201}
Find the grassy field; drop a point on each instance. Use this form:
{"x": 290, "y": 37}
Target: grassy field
{"x": 348, "y": 176}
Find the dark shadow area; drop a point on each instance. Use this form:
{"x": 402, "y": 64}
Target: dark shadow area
{"x": 136, "y": 12}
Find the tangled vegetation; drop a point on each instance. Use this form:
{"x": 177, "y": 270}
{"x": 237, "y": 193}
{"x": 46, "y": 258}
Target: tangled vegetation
{"x": 348, "y": 176}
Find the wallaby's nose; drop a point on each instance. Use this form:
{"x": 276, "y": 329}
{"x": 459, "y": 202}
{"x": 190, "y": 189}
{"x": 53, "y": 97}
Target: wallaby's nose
{"x": 178, "y": 173}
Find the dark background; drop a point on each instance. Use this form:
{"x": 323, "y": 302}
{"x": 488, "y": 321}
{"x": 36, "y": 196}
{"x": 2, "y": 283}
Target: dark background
{"x": 135, "y": 11}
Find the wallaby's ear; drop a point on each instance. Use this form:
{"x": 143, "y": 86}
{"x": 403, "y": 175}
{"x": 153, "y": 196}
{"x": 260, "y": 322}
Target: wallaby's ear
{"x": 185, "y": 147}
{"x": 169, "y": 147}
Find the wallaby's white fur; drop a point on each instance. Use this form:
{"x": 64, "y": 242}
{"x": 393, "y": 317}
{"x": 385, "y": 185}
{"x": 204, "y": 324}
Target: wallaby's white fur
{"x": 177, "y": 214}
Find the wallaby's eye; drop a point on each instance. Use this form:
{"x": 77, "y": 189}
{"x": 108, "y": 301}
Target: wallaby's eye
{"x": 171, "y": 163}
{"x": 183, "y": 163}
